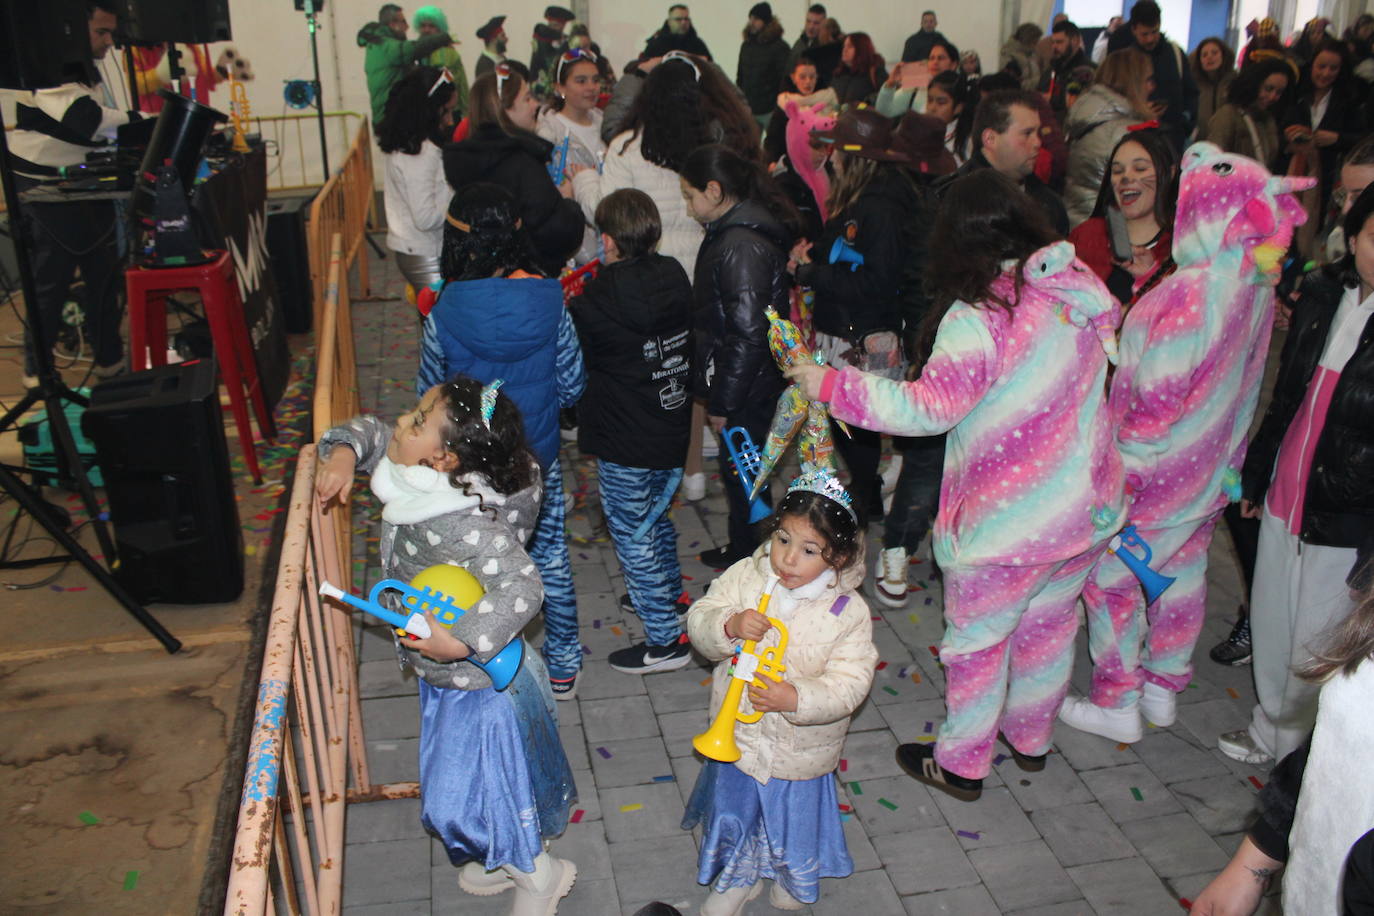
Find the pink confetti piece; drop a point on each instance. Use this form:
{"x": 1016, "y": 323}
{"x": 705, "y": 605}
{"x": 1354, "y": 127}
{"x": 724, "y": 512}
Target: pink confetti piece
{"x": 577, "y": 816}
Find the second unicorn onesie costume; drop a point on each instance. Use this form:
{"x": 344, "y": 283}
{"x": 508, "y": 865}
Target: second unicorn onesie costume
{"x": 1192, "y": 358}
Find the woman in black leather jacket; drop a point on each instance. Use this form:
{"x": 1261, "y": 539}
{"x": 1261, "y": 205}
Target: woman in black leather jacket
{"x": 741, "y": 269}
{"x": 1309, "y": 478}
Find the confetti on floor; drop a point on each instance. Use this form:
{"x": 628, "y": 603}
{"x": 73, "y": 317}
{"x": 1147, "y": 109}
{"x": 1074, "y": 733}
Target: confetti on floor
{"x": 882, "y": 665}
{"x": 633, "y": 806}
{"x": 87, "y": 817}
{"x": 596, "y": 624}
{"x": 1122, "y": 746}
{"x": 577, "y": 816}
{"x": 844, "y": 764}
{"x": 930, "y": 727}
{"x": 617, "y": 631}
{"x": 607, "y": 755}
{"x": 890, "y": 690}
{"x": 969, "y": 834}
{"x": 934, "y": 652}
{"x": 1232, "y": 692}
{"x": 1135, "y": 793}
{"x": 1254, "y": 781}
{"x": 915, "y": 678}
{"x": 856, "y": 788}
{"x": 705, "y": 681}
{"x": 667, "y": 778}
{"x": 887, "y": 804}
{"x": 130, "y": 880}
{"x": 999, "y": 760}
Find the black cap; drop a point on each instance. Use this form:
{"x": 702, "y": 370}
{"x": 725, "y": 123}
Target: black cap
{"x": 494, "y": 24}
{"x": 546, "y": 33}
{"x": 762, "y": 12}
{"x": 558, "y": 14}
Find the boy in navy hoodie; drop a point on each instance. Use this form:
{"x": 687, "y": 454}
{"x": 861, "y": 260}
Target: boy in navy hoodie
{"x": 634, "y": 323}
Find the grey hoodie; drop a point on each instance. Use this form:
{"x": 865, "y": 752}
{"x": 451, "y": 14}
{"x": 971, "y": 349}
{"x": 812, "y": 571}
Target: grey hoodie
{"x": 484, "y": 534}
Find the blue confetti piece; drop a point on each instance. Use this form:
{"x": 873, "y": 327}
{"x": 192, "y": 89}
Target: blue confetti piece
{"x": 668, "y": 778}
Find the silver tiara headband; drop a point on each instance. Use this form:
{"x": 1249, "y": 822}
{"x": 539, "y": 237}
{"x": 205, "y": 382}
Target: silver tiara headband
{"x": 822, "y": 482}
{"x": 489, "y": 400}
{"x": 686, "y": 59}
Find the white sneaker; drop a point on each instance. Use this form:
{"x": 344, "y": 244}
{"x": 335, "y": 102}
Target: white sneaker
{"x": 1159, "y": 705}
{"x": 479, "y": 882}
{"x": 1241, "y": 746}
{"x": 1117, "y": 724}
{"x": 890, "y": 584}
{"x": 780, "y": 899}
{"x": 694, "y": 486}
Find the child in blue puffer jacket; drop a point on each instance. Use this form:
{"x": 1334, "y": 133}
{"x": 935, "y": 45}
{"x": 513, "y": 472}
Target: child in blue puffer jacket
{"x": 499, "y": 317}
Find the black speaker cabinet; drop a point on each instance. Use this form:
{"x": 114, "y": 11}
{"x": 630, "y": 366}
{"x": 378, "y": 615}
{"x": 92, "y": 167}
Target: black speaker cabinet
{"x": 188, "y": 21}
{"x": 159, "y": 441}
{"x": 290, "y": 259}
{"x": 44, "y": 44}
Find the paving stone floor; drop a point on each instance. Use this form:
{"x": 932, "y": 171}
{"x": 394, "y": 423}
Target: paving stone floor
{"x": 1104, "y": 829}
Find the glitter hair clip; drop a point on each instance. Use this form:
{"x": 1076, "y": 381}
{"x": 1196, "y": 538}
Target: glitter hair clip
{"x": 824, "y": 483}
{"x": 686, "y": 59}
{"x": 489, "y": 401}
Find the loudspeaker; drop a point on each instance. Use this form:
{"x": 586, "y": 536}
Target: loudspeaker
{"x": 159, "y": 440}
{"x": 188, "y": 21}
{"x": 44, "y": 44}
{"x": 290, "y": 259}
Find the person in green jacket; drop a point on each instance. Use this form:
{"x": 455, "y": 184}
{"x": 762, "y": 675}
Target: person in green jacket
{"x": 430, "y": 20}
{"x": 390, "y": 54}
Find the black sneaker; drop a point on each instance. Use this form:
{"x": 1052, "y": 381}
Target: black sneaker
{"x": 1234, "y": 650}
{"x": 681, "y": 605}
{"x": 918, "y": 760}
{"x": 643, "y": 658}
{"x": 722, "y": 557}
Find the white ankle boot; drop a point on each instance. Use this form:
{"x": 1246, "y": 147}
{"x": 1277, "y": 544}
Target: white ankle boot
{"x": 1159, "y": 705}
{"x": 1118, "y": 724}
{"x": 537, "y": 893}
{"x": 479, "y": 882}
{"x": 730, "y": 903}
{"x": 891, "y": 585}
{"x": 780, "y": 899}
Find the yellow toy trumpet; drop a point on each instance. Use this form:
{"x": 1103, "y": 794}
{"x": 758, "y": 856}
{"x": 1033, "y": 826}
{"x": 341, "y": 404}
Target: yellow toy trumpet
{"x": 718, "y": 741}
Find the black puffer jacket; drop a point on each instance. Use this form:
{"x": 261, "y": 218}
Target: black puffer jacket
{"x": 880, "y": 294}
{"x": 518, "y": 163}
{"x": 634, "y": 321}
{"x": 762, "y": 67}
{"x": 1338, "y": 506}
{"x": 741, "y": 270}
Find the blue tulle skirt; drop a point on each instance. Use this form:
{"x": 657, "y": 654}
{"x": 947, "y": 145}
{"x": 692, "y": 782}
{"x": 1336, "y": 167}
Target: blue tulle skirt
{"x": 787, "y": 830}
{"x": 494, "y": 781}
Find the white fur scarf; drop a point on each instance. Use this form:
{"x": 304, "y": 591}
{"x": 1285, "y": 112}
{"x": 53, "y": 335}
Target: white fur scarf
{"x": 413, "y": 493}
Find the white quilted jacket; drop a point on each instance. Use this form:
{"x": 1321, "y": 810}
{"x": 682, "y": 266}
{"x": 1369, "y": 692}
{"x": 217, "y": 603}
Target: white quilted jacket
{"x": 830, "y": 659}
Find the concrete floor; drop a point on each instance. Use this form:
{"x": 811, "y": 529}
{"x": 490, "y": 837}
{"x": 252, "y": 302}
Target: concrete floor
{"x": 1105, "y": 829}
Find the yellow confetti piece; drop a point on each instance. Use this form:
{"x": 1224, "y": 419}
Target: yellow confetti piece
{"x": 250, "y": 550}
{"x": 636, "y": 806}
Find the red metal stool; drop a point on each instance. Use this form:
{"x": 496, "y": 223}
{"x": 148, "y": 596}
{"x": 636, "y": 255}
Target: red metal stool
{"x": 219, "y": 293}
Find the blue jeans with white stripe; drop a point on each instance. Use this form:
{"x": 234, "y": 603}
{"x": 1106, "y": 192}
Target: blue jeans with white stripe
{"x": 549, "y": 550}
{"x": 636, "y": 502}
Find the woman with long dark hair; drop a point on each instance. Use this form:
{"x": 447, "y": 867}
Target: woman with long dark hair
{"x": 740, "y": 271}
{"x": 1018, "y": 338}
{"x": 1141, "y": 183}
{"x": 861, "y": 71}
{"x": 1323, "y": 124}
{"x": 953, "y": 98}
{"x": 503, "y": 149}
{"x": 1247, "y": 124}
{"x": 419, "y": 116}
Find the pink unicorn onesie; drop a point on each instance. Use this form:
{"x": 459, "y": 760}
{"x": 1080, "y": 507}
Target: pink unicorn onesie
{"x": 1032, "y": 489}
{"x": 1192, "y": 358}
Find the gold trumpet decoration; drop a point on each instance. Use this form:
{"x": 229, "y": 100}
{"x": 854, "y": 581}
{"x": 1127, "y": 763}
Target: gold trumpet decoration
{"x": 239, "y": 114}
{"x": 718, "y": 741}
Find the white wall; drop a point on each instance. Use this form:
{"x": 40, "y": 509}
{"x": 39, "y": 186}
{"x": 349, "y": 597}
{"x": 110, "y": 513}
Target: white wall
{"x": 273, "y": 36}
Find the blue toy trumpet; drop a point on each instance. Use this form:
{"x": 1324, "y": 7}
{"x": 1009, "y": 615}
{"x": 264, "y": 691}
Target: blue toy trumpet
{"x": 844, "y": 253}
{"x": 1153, "y": 582}
{"x": 745, "y": 455}
{"x": 438, "y": 589}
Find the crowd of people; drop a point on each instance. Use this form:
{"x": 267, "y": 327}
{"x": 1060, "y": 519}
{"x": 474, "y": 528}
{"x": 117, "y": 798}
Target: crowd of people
{"x": 1050, "y": 287}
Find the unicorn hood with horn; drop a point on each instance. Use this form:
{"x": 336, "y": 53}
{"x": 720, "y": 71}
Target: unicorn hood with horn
{"x": 1192, "y": 350}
